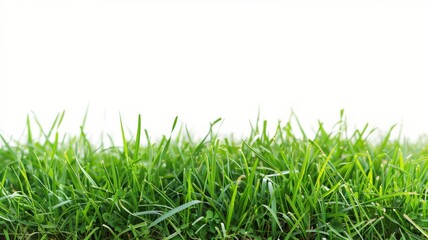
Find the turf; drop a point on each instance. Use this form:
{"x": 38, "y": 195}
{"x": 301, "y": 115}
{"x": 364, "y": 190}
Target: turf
{"x": 278, "y": 185}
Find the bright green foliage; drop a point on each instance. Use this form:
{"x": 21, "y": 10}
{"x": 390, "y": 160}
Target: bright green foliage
{"x": 268, "y": 186}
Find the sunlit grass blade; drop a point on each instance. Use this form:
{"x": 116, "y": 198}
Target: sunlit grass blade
{"x": 173, "y": 211}
{"x": 137, "y": 139}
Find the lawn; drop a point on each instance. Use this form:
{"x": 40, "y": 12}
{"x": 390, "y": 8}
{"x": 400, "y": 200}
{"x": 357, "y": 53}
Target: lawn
{"x": 281, "y": 184}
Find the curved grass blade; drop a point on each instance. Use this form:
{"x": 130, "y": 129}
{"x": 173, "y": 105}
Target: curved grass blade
{"x": 174, "y": 211}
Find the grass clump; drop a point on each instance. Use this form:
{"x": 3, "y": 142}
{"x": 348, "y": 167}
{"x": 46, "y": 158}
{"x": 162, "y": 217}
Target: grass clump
{"x": 334, "y": 185}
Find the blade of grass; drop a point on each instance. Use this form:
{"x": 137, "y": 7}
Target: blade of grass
{"x": 174, "y": 211}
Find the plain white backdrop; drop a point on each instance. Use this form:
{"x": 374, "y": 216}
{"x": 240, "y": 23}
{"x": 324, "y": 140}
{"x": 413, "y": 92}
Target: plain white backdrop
{"x": 202, "y": 60}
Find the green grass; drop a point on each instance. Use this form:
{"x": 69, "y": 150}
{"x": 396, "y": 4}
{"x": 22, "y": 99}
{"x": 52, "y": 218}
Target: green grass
{"x": 278, "y": 185}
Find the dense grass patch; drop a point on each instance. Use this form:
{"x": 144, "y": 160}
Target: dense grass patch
{"x": 282, "y": 185}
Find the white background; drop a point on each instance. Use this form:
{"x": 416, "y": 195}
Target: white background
{"x": 202, "y": 60}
